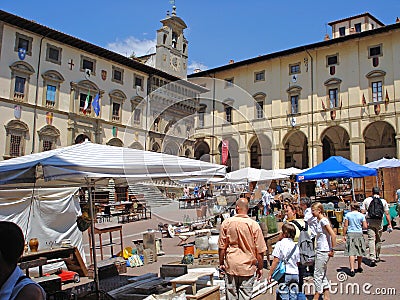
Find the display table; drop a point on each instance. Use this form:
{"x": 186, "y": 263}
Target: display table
{"x": 70, "y": 255}
{"x": 191, "y": 278}
{"x": 99, "y": 229}
{"x": 184, "y": 236}
{"x": 191, "y": 202}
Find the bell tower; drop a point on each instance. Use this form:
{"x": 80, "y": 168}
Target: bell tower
{"x": 172, "y": 46}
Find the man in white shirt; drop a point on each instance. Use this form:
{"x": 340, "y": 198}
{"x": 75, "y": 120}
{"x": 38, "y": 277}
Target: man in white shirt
{"x": 267, "y": 199}
{"x": 375, "y": 226}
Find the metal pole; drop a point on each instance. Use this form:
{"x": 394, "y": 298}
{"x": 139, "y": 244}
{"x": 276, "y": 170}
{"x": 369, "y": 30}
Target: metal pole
{"x": 36, "y": 95}
{"x": 213, "y": 121}
{"x": 312, "y": 107}
{"x": 93, "y": 240}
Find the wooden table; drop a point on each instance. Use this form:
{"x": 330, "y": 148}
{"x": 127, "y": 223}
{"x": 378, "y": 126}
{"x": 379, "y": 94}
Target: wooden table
{"x": 191, "y": 278}
{"x": 184, "y": 236}
{"x": 105, "y": 228}
{"x": 190, "y": 202}
{"x": 271, "y": 239}
{"x": 70, "y": 255}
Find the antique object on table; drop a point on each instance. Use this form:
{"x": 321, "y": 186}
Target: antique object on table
{"x": 339, "y": 215}
{"x": 33, "y": 244}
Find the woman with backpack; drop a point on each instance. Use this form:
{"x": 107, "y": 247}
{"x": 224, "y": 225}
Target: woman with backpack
{"x": 292, "y": 214}
{"x": 354, "y": 222}
{"x": 325, "y": 242}
{"x": 286, "y": 249}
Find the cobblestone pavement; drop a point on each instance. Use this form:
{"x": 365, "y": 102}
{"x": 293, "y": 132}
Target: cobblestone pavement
{"x": 380, "y": 282}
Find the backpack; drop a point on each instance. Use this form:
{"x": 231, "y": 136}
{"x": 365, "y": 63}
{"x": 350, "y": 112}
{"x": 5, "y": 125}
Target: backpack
{"x": 375, "y": 208}
{"x": 306, "y": 245}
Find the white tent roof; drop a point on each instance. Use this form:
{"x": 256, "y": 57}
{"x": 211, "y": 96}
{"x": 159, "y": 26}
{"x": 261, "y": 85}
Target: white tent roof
{"x": 201, "y": 180}
{"x": 251, "y": 174}
{"x": 88, "y": 160}
{"x": 289, "y": 171}
{"x": 384, "y": 163}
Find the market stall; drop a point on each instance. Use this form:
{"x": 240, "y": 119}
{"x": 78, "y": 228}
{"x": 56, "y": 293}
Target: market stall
{"x": 387, "y": 179}
{"x": 333, "y": 168}
{"x": 90, "y": 164}
{"x": 336, "y": 168}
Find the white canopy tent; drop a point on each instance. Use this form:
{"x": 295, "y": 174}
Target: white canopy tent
{"x": 51, "y": 217}
{"x": 251, "y": 174}
{"x": 73, "y": 165}
{"x": 289, "y": 171}
{"x": 87, "y": 163}
{"x": 384, "y": 163}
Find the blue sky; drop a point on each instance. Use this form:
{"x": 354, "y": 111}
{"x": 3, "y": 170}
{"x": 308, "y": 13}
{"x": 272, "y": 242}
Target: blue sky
{"x": 218, "y": 30}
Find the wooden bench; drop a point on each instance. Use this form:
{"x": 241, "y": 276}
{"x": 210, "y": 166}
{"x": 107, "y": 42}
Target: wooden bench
{"x": 207, "y": 293}
{"x": 191, "y": 278}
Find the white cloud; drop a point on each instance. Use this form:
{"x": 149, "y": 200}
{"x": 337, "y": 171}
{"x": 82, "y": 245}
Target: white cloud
{"x": 196, "y": 65}
{"x": 132, "y": 44}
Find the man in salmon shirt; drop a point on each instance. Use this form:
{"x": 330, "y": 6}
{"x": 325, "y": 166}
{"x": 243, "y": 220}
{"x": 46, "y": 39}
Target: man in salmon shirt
{"x": 241, "y": 249}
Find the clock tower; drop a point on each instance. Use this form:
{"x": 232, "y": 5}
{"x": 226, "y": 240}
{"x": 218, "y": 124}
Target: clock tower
{"x": 172, "y": 46}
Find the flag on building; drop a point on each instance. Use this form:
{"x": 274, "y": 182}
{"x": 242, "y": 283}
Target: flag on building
{"x": 225, "y": 151}
{"x": 364, "y": 102}
{"x": 87, "y": 102}
{"x": 387, "y": 98}
{"x": 323, "y": 104}
{"x": 96, "y": 104}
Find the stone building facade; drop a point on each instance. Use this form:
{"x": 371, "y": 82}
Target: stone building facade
{"x": 297, "y": 107}
{"x": 49, "y": 80}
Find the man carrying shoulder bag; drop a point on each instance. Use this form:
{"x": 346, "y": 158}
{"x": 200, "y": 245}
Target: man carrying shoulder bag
{"x": 375, "y": 208}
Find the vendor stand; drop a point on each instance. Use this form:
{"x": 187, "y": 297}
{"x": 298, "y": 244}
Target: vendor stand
{"x": 337, "y": 168}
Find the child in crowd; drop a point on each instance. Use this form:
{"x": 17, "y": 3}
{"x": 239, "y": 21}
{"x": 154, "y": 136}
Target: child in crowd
{"x": 354, "y": 222}
{"x": 326, "y": 241}
{"x": 289, "y": 290}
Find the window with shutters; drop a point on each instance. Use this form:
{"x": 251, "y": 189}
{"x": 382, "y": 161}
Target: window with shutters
{"x": 51, "y": 81}
{"x": 53, "y": 54}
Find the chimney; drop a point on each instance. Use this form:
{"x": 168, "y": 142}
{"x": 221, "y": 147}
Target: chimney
{"x": 397, "y": 20}
{"x": 231, "y": 61}
{"x": 326, "y": 37}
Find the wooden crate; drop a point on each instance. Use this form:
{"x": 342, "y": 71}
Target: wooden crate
{"x": 50, "y": 284}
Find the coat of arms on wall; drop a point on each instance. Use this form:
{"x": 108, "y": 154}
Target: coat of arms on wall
{"x": 103, "y": 74}
{"x": 21, "y": 53}
{"x": 17, "y": 111}
{"x": 49, "y": 118}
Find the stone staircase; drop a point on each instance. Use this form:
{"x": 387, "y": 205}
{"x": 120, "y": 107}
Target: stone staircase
{"x": 152, "y": 195}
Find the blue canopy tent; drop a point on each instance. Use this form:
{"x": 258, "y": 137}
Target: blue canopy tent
{"x": 336, "y": 167}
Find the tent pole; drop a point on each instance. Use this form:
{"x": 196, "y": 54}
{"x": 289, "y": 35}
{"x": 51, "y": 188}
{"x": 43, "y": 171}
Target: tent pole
{"x": 93, "y": 240}
{"x": 352, "y": 189}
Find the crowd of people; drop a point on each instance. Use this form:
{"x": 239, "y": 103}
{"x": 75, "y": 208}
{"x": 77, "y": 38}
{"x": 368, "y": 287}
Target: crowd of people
{"x": 241, "y": 244}
{"x": 199, "y": 191}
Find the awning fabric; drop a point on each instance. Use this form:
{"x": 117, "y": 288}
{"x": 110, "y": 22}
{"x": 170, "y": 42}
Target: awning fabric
{"x": 384, "y": 163}
{"x": 88, "y": 160}
{"x": 252, "y": 174}
{"x": 336, "y": 167}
